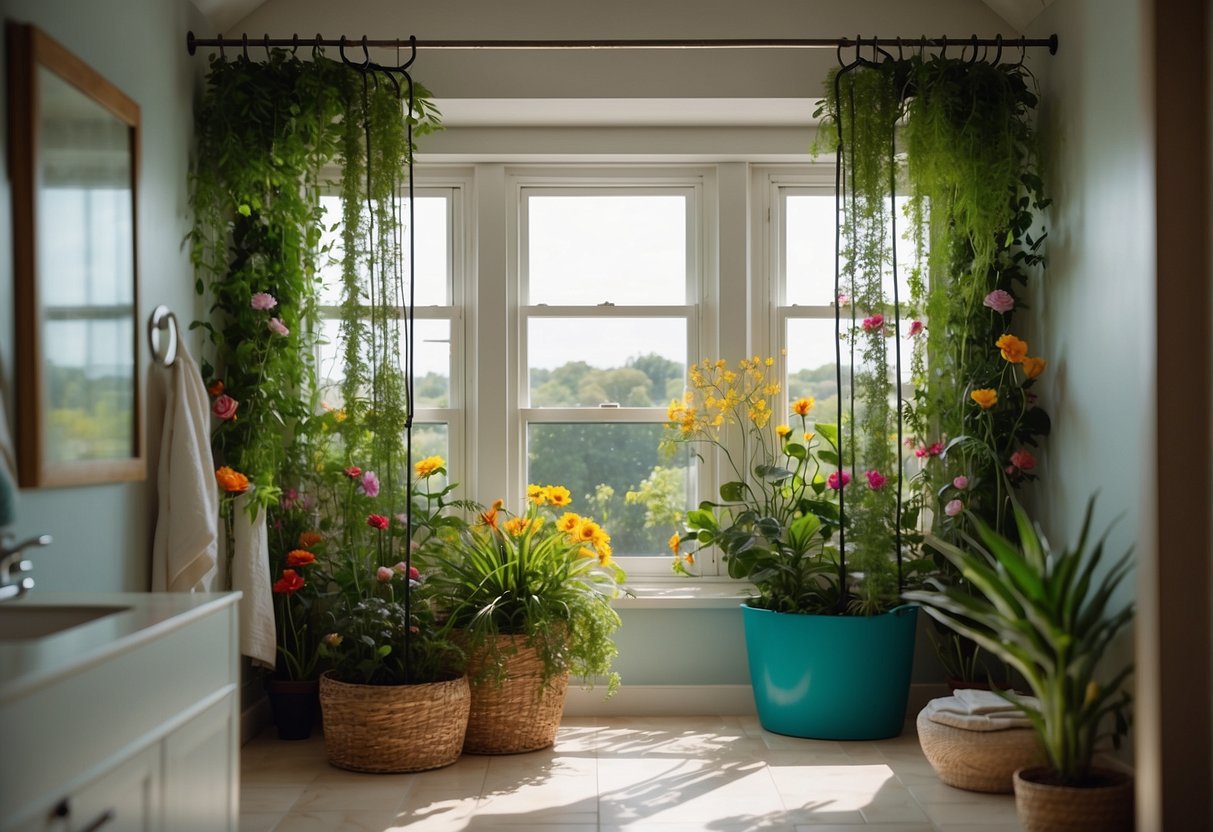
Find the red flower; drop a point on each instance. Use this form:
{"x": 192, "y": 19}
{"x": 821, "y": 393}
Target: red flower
{"x": 299, "y": 557}
{"x": 1023, "y": 460}
{"x": 376, "y": 521}
{"x": 216, "y": 388}
{"x": 936, "y": 449}
{"x": 290, "y": 582}
{"x": 353, "y": 472}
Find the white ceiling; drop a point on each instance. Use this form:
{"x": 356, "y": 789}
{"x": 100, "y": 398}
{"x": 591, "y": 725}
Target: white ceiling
{"x": 225, "y": 14}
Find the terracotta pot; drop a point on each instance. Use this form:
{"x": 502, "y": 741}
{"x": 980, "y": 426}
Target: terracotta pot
{"x": 295, "y": 705}
{"x": 1104, "y": 806}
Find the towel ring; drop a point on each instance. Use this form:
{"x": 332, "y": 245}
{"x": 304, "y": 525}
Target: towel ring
{"x": 162, "y": 334}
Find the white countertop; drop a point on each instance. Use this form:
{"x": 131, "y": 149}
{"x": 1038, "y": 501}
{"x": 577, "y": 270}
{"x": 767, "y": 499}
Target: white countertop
{"x": 26, "y": 664}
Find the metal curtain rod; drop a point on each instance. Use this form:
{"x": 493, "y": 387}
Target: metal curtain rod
{"x": 244, "y": 41}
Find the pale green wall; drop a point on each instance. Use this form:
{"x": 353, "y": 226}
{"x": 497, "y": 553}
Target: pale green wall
{"x": 103, "y": 533}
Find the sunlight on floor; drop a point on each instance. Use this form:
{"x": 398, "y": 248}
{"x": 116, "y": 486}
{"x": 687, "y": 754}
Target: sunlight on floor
{"x": 666, "y": 774}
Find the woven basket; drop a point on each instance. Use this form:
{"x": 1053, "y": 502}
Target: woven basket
{"x": 1104, "y": 807}
{"x": 518, "y": 713}
{"x": 393, "y": 728}
{"x": 979, "y": 761}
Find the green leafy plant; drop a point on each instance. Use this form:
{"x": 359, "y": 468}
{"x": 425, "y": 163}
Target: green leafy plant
{"x": 1047, "y": 614}
{"x": 543, "y": 575}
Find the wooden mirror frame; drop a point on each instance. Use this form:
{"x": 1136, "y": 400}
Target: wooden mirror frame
{"x": 30, "y": 49}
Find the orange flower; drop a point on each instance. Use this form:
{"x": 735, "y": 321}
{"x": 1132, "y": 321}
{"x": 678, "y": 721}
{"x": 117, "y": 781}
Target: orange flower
{"x": 216, "y": 388}
{"x": 1033, "y": 366}
{"x": 309, "y": 539}
{"x": 289, "y": 583}
{"x": 299, "y": 557}
{"x": 489, "y": 518}
{"x": 986, "y": 397}
{"x": 1013, "y": 349}
{"x": 782, "y": 431}
{"x": 801, "y": 407}
{"x": 675, "y": 542}
{"x": 231, "y": 480}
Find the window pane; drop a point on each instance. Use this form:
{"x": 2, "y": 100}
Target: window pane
{"x": 432, "y": 439}
{"x": 585, "y": 362}
{"x": 600, "y": 463}
{"x": 626, "y": 249}
{"x": 431, "y": 365}
{"x": 432, "y": 250}
{"x": 808, "y": 235}
{"x": 811, "y": 363}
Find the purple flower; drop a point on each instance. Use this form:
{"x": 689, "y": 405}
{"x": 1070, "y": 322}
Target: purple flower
{"x": 370, "y": 484}
{"x": 276, "y": 325}
{"x": 263, "y": 301}
{"x": 999, "y": 301}
{"x": 953, "y": 508}
{"x": 961, "y": 483}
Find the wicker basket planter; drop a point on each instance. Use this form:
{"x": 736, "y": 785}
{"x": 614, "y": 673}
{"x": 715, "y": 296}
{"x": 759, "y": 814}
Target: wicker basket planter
{"x": 518, "y": 713}
{"x": 979, "y": 761}
{"x": 1106, "y": 806}
{"x": 394, "y": 728}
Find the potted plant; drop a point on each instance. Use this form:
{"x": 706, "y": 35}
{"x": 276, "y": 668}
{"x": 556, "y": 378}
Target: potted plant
{"x": 531, "y": 594}
{"x": 830, "y": 650}
{"x": 1048, "y": 614}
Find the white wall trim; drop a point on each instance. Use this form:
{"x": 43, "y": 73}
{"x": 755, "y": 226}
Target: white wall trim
{"x": 684, "y": 700}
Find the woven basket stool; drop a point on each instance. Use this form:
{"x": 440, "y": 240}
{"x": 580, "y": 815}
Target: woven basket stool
{"x": 978, "y": 761}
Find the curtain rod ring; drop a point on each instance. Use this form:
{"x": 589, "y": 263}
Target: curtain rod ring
{"x": 366, "y": 54}
{"x": 341, "y": 50}
{"x": 294, "y": 43}
{"x": 900, "y": 55}
{"x": 412, "y": 56}
{"x": 266, "y": 41}
{"x": 943, "y": 53}
{"x": 998, "y": 52}
{"x": 973, "y": 59}
{"x": 244, "y": 45}
{"x": 222, "y": 54}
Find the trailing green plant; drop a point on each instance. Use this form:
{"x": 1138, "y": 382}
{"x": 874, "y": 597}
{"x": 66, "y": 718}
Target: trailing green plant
{"x": 1047, "y": 614}
{"x": 550, "y": 579}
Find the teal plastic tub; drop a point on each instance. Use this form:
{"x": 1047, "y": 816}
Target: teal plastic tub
{"x": 831, "y": 677}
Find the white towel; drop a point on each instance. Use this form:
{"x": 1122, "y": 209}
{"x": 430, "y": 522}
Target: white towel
{"x": 186, "y": 546}
{"x": 250, "y": 573}
{"x": 978, "y": 710}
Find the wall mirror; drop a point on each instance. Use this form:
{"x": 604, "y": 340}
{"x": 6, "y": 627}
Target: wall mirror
{"x": 74, "y": 164}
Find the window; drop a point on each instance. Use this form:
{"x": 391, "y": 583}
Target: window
{"x": 437, "y": 339}
{"x": 608, "y": 276}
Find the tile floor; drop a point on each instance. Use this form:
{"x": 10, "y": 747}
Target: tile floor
{"x": 661, "y": 774}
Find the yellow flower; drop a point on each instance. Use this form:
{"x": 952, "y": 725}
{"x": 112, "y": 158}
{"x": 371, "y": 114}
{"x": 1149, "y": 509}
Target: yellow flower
{"x": 557, "y": 495}
{"x": 985, "y": 397}
{"x": 771, "y": 389}
{"x": 428, "y": 466}
{"x": 770, "y": 362}
{"x": 675, "y": 542}
{"x": 782, "y": 431}
{"x": 689, "y": 557}
{"x": 1013, "y": 349}
{"x": 801, "y": 407}
{"x": 568, "y": 522}
{"x": 1033, "y": 366}
{"x": 340, "y": 415}
{"x": 721, "y": 363}
{"x": 515, "y": 526}
{"x": 604, "y": 559}
{"x": 537, "y": 494}
{"x": 729, "y": 376}
{"x": 587, "y": 531}
{"x": 808, "y": 437}
{"x": 586, "y": 552}
{"x": 1092, "y": 692}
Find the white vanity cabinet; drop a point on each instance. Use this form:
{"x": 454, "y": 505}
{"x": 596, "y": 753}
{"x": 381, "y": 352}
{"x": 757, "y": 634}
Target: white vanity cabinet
{"x": 126, "y": 722}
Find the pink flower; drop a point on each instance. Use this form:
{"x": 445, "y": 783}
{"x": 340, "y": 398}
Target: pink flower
{"x": 1023, "y": 460}
{"x": 936, "y": 449}
{"x": 874, "y": 323}
{"x": 277, "y": 326}
{"x": 953, "y": 508}
{"x": 353, "y": 472}
{"x": 370, "y": 484}
{"x": 289, "y": 498}
{"x": 384, "y": 575}
{"x": 837, "y": 483}
{"x": 843, "y": 299}
{"x": 876, "y": 480}
{"x": 224, "y": 407}
{"x": 961, "y": 483}
{"x": 414, "y": 572}
{"x": 262, "y": 301}
{"x": 916, "y": 328}
{"x": 910, "y": 440}
{"x": 920, "y": 451}
{"x": 999, "y": 301}
{"x": 376, "y": 521}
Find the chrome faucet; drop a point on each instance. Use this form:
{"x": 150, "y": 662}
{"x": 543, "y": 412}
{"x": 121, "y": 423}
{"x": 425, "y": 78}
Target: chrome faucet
{"x": 13, "y": 565}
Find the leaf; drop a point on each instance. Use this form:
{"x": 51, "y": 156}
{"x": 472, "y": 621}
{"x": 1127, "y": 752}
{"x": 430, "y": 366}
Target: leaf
{"x": 733, "y": 492}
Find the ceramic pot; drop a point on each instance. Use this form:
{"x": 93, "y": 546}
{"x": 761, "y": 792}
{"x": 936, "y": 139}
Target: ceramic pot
{"x": 295, "y": 705}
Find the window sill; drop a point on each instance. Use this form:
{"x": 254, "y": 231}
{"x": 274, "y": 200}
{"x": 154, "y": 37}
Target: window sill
{"x": 655, "y": 595}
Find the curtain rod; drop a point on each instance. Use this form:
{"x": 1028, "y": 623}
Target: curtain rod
{"x": 244, "y": 41}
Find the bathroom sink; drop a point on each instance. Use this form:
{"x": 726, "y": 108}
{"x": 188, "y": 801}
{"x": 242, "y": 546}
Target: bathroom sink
{"x": 20, "y": 622}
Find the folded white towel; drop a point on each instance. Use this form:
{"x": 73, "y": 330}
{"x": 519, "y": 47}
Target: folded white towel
{"x": 186, "y": 544}
{"x": 250, "y": 573}
{"x": 978, "y": 710}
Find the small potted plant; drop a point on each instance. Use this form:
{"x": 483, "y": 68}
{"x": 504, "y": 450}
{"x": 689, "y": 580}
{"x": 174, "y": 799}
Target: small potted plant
{"x": 531, "y": 594}
{"x": 1047, "y": 613}
{"x": 830, "y": 651}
